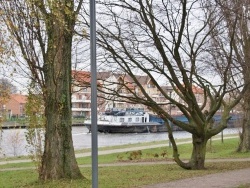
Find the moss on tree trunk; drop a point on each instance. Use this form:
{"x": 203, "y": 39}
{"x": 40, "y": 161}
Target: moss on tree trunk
{"x": 59, "y": 159}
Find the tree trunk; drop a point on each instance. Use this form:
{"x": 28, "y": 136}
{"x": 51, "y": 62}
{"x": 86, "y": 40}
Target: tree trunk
{"x": 197, "y": 161}
{"x": 58, "y": 160}
{"x": 244, "y": 145}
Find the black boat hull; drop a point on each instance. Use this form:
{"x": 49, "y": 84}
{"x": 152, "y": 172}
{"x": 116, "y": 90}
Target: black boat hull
{"x": 136, "y": 128}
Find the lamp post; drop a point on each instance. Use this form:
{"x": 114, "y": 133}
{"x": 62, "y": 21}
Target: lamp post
{"x": 170, "y": 109}
{"x": 94, "y": 142}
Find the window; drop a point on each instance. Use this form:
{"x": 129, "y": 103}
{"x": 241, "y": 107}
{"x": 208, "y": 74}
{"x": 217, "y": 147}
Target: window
{"x": 137, "y": 119}
{"x": 151, "y": 86}
{"x": 80, "y": 97}
{"x": 121, "y": 119}
{"x": 129, "y": 119}
{"x": 21, "y": 108}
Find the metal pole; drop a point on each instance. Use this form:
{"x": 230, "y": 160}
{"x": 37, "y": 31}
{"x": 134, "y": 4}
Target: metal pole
{"x": 222, "y": 141}
{"x": 170, "y": 109}
{"x": 94, "y": 143}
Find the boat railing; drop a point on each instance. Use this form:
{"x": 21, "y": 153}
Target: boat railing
{"x": 135, "y": 113}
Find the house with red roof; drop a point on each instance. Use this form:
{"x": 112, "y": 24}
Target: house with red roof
{"x": 15, "y": 107}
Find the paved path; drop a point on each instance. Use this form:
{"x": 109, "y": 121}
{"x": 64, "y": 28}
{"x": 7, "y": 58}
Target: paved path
{"x": 230, "y": 179}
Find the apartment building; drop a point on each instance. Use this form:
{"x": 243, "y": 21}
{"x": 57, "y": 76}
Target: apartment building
{"x": 81, "y": 94}
{"x": 122, "y": 85}
{"x": 110, "y": 82}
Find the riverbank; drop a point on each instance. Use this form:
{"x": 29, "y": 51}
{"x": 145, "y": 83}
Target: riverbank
{"x": 24, "y": 125}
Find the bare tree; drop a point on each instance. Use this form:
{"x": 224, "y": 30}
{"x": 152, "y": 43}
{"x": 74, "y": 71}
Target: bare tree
{"x": 169, "y": 39}
{"x": 14, "y": 140}
{"x": 236, "y": 14}
{"x": 43, "y": 31}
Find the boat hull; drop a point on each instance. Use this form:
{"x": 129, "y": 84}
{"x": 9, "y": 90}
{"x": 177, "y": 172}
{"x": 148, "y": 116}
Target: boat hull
{"x": 150, "y": 127}
{"x": 155, "y": 125}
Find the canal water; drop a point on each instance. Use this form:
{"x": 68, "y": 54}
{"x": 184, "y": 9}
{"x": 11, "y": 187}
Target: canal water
{"x": 13, "y": 141}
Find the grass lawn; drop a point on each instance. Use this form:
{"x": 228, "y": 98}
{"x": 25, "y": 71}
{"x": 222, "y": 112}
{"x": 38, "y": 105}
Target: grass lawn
{"x": 116, "y": 177}
{"x": 216, "y": 150}
{"x": 131, "y": 175}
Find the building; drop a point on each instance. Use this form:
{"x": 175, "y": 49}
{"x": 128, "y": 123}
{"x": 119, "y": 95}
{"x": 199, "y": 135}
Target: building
{"x": 115, "y": 91}
{"x": 15, "y": 106}
{"x": 81, "y": 94}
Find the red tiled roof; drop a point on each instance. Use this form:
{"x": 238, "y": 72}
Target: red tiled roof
{"x": 81, "y": 76}
{"x": 85, "y": 77}
{"x": 21, "y": 99}
{"x": 197, "y": 90}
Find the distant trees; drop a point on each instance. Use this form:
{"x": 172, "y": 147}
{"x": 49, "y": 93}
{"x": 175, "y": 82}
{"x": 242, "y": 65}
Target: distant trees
{"x": 170, "y": 42}
{"x": 7, "y": 86}
{"x": 6, "y": 89}
{"x": 43, "y": 31}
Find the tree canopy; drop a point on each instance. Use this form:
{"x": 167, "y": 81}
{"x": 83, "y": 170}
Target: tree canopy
{"x": 170, "y": 39}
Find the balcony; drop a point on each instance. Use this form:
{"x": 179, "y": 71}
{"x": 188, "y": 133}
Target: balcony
{"x": 81, "y": 109}
{"x": 80, "y": 100}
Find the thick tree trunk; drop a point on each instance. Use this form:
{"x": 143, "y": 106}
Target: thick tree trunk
{"x": 58, "y": 160}
{"x": 197, "y": 161}
{"x": 244, "y": 145}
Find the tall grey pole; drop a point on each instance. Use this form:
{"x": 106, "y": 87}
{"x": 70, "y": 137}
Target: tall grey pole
{"x": 170, "y": 109}
{"x": 94, "y": 143}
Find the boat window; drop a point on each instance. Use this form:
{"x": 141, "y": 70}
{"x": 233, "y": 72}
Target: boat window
{"x": 142, "y": 119}
{"x": 129, "y": 119}
{"x": 137, "y": 119}
{"x": 121, "y": 119}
